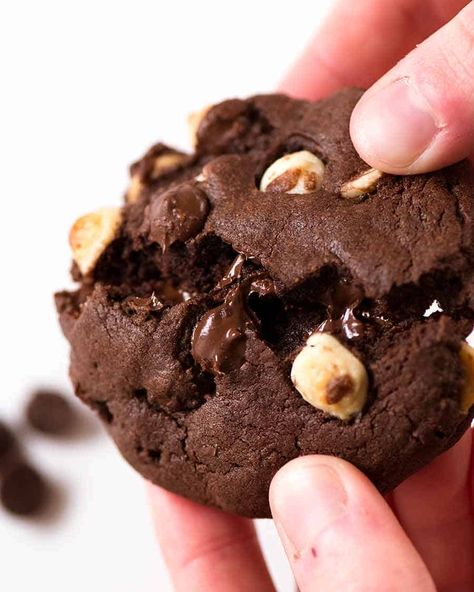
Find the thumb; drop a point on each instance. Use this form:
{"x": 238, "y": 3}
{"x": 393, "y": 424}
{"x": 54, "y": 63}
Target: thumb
{"x": 420, "y": 116}
{"x": 338, "y": 531}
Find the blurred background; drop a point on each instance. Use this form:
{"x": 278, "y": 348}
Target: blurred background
{"x": 86, "y": 87}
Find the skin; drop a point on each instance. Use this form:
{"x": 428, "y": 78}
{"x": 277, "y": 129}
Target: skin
{"x": 339, "y": 533}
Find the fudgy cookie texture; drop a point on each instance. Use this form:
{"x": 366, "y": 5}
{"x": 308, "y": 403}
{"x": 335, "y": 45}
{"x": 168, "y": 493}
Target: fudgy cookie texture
{"x": 271, "y": 296}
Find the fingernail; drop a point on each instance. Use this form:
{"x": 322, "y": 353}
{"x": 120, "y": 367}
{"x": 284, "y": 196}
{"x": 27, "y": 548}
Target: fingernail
{"x": 394, "y": 125}
{"x": 306, "y": 502}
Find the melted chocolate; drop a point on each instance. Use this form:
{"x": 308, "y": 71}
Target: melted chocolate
{"x": 341, "y": 301}
{"x": 234, "y": 271}
{"x": 219, "y": 340}
{"x": 177, "y": 214}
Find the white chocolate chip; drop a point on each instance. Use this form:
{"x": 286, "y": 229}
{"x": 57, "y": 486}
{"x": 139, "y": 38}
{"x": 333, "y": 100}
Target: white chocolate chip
{"x": 134, "y": 189}
{"x": 299, "y": 172}
{"x": 166, "y": 162}
{"x": 330, "y": 377}
{"x": 467, "y": 362}
{"x": 91, "y": 234}
{"x": 163, "y": 164}
{"x": 366, "y": 182}
{"x": 194, "y": 121}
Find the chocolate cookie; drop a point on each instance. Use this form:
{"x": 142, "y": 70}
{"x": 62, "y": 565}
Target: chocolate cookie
{"x": 272, "y": 296}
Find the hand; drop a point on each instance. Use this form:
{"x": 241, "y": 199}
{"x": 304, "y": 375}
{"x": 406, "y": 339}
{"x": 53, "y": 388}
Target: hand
{"x": 338, "y": 532}
{"x": 418, "y": 115}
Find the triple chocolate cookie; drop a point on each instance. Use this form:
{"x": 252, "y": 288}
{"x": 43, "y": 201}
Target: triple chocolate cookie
{"x": 271, "y": 296}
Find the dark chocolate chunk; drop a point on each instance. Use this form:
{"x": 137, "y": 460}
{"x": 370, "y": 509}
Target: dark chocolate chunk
{"x": 234, "y": 272}
{"x": 177, "y": 214}
{"x": 341, "y": 301}
{"x": 50, "y": 412}
{"x": 219, "y": 338}
{"x": 22, "y": 490}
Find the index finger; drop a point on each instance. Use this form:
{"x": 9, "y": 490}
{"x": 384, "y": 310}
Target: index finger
{"x": 206, "y": 549}
{"x": 360, "y": 41}
{"x": 434, "y": 507}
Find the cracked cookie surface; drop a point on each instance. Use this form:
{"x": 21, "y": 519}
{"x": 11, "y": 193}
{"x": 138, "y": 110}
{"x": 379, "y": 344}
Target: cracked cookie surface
{"x": 203, "y": 297}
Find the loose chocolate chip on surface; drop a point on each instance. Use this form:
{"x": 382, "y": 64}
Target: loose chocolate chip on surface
{"x": 23, "y": 490}
{"x": 50, "y": 412}
{"x": 7, "y": 441}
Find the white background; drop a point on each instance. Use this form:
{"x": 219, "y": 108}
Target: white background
{"x": 85, "y": 88}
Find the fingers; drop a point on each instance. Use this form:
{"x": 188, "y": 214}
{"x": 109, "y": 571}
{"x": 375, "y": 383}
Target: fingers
{"x": 339, "y": 533}
{"x": 206, "y": 549}
{"x": 420, "y": 116}
{"x": 434, "y": 507}
{"x": 360, "y": 41}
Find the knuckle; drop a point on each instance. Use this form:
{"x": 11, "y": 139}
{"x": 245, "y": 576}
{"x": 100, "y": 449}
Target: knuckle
{"x": 459, "y": 50}
{"x": 216, "y": 549}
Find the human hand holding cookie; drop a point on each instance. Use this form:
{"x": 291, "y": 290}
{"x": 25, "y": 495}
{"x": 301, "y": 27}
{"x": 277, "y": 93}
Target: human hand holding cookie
{"x": 416, "y": 60}
{"x": 269, "y": 313}
{"x": 431, "y": 545}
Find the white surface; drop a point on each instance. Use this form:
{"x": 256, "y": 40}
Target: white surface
{"x": 86, "y": 87}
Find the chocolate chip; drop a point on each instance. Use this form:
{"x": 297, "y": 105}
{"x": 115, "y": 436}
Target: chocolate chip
{"x": 219, "y": 338}
{"x": 177, "y": 214}
{"x": 49, "y": 412}
{"x": 7, "y": 442}
{"x": 23, "y": 490}
{"x": 234, "y": 272}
